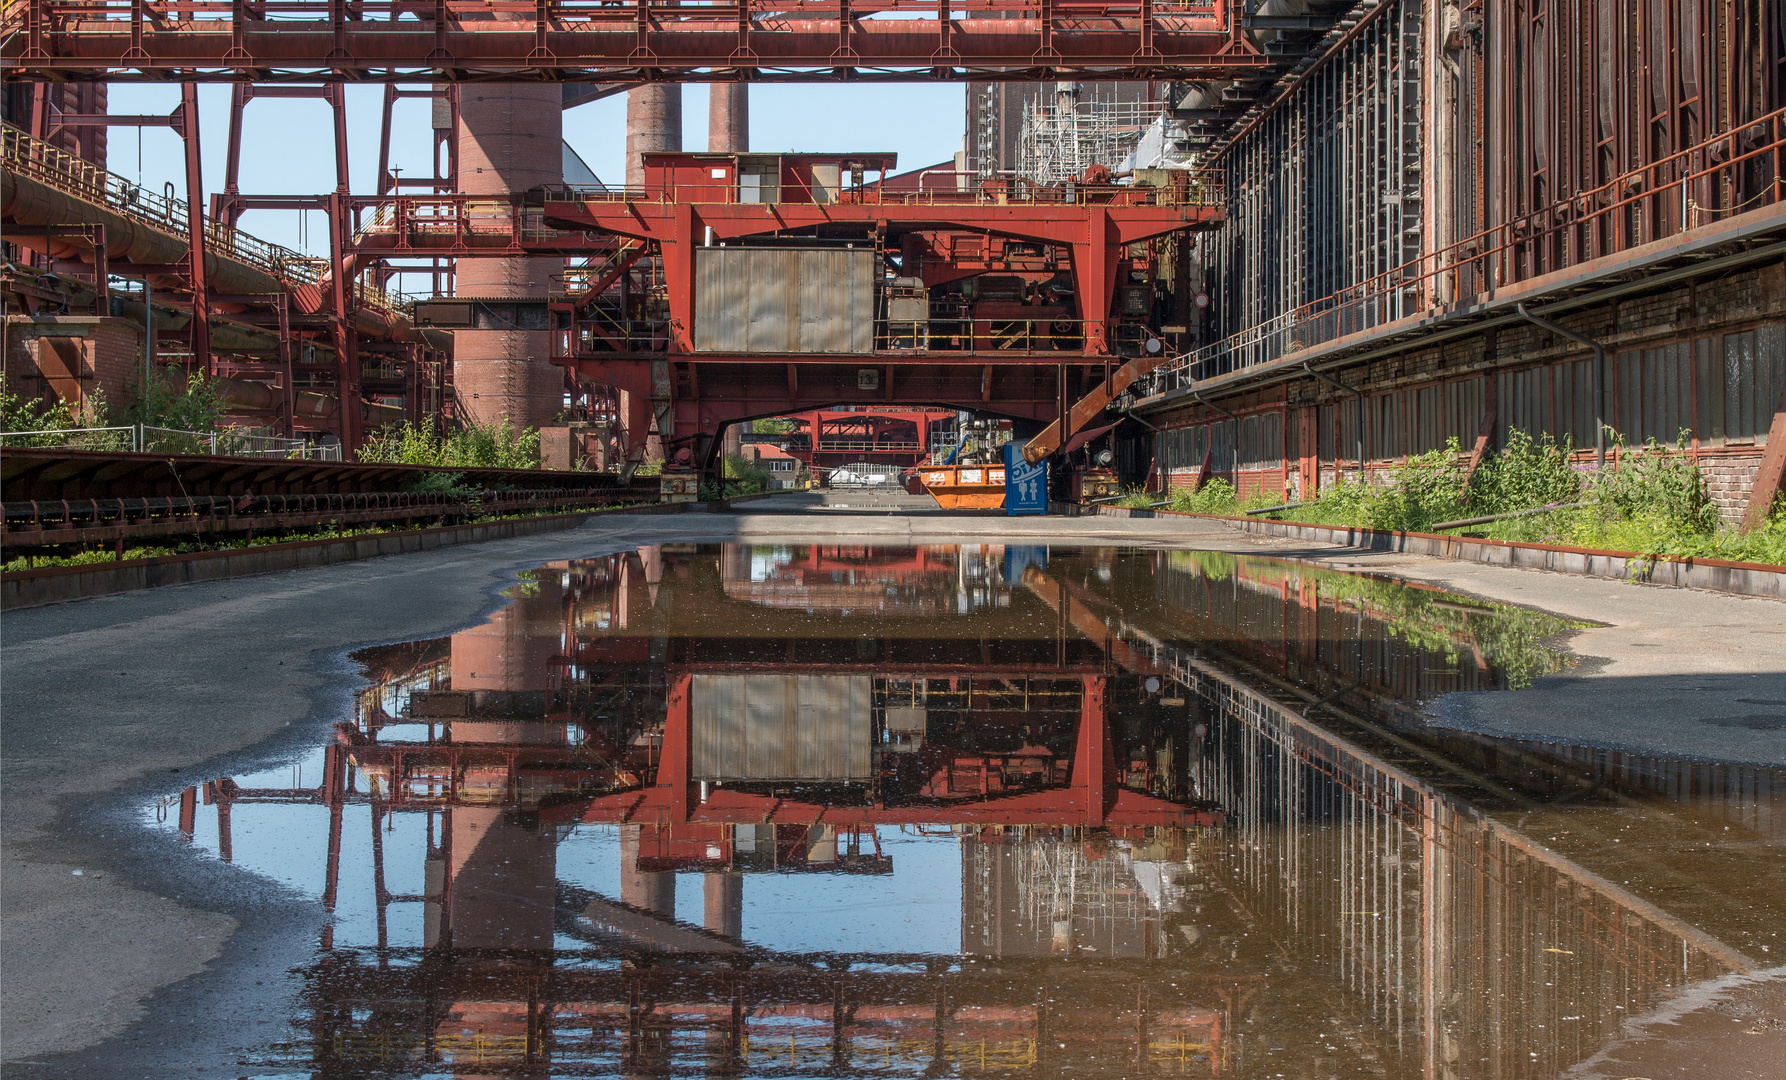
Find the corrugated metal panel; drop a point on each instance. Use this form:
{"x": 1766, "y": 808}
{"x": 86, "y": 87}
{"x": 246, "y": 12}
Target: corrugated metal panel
{"x": 781, "y": 727}
{"x": 835, "y": 726}
{"x": 784, "y": 300}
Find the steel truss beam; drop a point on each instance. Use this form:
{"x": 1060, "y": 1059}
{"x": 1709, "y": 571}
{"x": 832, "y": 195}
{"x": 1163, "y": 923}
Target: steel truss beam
{"x": 629, "y": 41}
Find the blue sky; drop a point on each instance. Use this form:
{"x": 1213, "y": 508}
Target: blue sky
{"x": 287, "y": 144}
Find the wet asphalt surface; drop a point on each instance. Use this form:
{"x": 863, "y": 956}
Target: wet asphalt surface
{"x": 157, "y": 961}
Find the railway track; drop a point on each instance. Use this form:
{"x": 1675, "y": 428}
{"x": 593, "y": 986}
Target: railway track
{"x": 36, "y": 523}
{"x": 57, "y": 500}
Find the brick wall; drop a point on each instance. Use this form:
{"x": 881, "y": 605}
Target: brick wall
{"x": 1685, "y": 317}
{"x": 100, "y": 354}
{"x": 1728, "y": 477}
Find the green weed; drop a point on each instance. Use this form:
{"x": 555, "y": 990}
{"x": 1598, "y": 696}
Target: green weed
{"x": 476, "y": 446}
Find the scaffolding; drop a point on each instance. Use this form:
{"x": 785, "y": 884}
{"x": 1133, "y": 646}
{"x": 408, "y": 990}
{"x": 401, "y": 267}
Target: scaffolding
{"x": 1062, "y": 137}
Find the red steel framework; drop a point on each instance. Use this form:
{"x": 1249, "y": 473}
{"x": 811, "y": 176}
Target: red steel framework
{"x": 823, "y": 439}
{"x": 304, "y": 48}
{"x": 627, "y": 317}
{"x": 256, "y": 312}
{"x": 627, "y": 41}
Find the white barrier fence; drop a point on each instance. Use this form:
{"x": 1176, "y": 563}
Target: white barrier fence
{"x": 147, "y": 438}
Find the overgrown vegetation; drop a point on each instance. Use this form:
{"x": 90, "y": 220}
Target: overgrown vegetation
{"x": 1653, "y": 501}
{"x": 52, "y": 419}
{"x": 476, "y": 446}
{"x": 189, "y": 407}
{"x": 173, "y": 398}
{"x": 772, "y": 425}
{"x": 1214, "y": 497}
{"x": 742, "y": 477}
{"x": 327, "y": 532}
{"x": 1515, "y": 641}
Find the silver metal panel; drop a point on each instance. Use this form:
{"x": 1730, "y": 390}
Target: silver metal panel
{"x": 827, "y": 180}
{"x": 908, "y": 718}
{"x": 908, "y": 309}
{"x": 781, "y": 727}
{"x": 784, "y": 300}
{"x": 835, "y": 726}
{"x": 766, "y": 326}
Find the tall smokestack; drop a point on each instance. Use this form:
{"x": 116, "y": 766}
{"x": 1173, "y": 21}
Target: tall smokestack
{"x": 728, "y": 132}
{"x": 510, "y": 139}
{"x": 728, "y": 118}
{"x": 653, "y": 123}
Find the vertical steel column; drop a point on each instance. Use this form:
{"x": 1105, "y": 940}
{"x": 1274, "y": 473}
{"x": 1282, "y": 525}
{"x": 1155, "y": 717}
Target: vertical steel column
{"x": 1094, "y": 758}
{"x": 195, "y": 227}
{"x": 342, "y": 323}
{"x": 223, "y": 206}
{"x": 288, "y": 412}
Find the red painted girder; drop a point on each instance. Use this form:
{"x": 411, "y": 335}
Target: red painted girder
{"x": 906, "y": 361}
{"x": 1054, "y": 807}
{"x": 485, "y": 226}
{"x": 1027, "y": 390}
{"x": 557, "y": 39}
{"x": 1047, "y": 222}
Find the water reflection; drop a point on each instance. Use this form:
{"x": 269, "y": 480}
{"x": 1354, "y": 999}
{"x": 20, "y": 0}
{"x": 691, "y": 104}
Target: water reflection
{"x": 821, "y": 810}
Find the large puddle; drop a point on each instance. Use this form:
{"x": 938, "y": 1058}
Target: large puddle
{"x": 827, "y": 811}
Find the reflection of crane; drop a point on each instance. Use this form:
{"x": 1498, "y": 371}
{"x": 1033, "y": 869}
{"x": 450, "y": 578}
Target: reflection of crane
{"x": 900, "y": 582}
{"x": 1092, "y": 796}
{"x": 1037, "y": 892}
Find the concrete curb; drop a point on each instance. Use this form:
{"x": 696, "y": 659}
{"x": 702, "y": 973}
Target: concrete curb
{"x": 54, "y": 584}
{"x": 1716, "y": 575}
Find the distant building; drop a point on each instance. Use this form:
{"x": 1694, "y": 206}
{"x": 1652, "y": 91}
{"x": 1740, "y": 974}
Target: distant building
{"x": 787, "y": 470}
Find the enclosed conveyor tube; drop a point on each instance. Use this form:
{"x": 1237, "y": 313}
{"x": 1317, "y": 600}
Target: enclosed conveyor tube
{"x": 33, "y": 204}
{"x": 249, "y": 396}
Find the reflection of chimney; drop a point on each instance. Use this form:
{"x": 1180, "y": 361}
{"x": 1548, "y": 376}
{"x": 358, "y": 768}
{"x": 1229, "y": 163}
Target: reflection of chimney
{"x": 503, "y": 881}
{"x": 723, "y": 912}
{"x": 652, "y": 892}
{"x": 734, "y": 562}
{"x": 503, "y": 876}
{"x": 513, "y": 650}
{"x": 651, "y": 557}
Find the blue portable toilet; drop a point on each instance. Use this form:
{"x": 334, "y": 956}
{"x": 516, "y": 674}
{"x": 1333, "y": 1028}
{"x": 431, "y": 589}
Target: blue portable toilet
{"x": 1026, "y": 485}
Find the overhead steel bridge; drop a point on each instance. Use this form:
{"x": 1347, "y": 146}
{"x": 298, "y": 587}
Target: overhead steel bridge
{"x": 628, "y": 41}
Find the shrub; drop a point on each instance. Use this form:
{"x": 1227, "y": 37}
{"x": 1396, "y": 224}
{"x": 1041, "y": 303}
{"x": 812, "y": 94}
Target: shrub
{"x": 740, "y": 476}
{"x": 404, "y": 444}
{"x": 1658, "y": 485}
{"x": 1525, "y": 473}
{"x": 1653, "y": 503}
{"x": 476, "y": 446}
{"x": 173, "y": 398}
{"x": 501, "y": 445}
{"x": 1428, "y": 489}
{"x": 1214, "y": 497}
{"x": 55, "y": 417}
{"x": 31, "y": 414}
